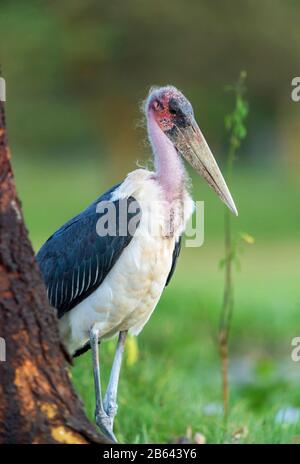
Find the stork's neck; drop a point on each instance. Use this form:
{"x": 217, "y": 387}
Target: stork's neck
{"x": 169, "y": 169}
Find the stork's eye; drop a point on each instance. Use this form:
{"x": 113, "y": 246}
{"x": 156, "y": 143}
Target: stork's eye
{"x": 174, "y": 106}
{"x": 156, "y": 105}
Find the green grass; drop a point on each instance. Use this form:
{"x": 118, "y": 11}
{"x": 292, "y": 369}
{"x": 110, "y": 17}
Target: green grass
{"x": 177, "y": 373}
{"x": 176, "y": 378}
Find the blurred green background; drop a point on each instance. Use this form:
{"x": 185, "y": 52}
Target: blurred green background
{"x": 76, "y": 74}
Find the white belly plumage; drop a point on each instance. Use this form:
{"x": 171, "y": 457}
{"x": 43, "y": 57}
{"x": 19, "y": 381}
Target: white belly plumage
{"x": 130, "y": 292}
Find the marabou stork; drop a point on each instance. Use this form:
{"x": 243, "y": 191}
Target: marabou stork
{"x": 104, "y": 284}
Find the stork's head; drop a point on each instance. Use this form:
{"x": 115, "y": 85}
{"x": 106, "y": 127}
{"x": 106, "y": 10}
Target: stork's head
{"x": 174, "y": 115}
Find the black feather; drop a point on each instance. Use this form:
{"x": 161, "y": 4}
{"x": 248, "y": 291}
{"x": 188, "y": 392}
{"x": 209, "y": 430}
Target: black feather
{"x": 75, "y": 260}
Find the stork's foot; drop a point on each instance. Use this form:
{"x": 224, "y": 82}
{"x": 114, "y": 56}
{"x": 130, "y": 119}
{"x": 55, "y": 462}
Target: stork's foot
{"x": 105, "y": 418}
{"x": 105, "y": 424}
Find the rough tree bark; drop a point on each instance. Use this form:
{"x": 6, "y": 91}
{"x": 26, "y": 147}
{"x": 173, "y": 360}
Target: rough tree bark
{"x": 37, "y": 401}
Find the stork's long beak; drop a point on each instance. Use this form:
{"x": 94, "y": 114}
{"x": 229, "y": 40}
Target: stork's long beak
{"x": 191, "y": 143}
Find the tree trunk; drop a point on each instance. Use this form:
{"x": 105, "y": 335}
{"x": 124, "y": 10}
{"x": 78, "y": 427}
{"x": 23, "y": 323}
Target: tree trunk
{"x": 37, "y": 401}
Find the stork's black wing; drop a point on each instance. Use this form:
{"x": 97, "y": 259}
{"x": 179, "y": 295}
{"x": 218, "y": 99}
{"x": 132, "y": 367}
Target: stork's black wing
{"x": 176, "y": 252}
{"x": 76, "y": 258}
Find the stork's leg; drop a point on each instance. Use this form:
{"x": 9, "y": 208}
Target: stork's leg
{"x": 102, "y": 419}
{"x": 110, "y": 399}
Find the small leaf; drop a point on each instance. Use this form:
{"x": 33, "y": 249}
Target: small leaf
{"x": 240, "y": 131}
{"x": 247, "y": 238}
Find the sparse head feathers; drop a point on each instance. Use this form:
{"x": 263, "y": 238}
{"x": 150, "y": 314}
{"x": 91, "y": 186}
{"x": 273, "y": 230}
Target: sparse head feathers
{"x": 163, "y": 95}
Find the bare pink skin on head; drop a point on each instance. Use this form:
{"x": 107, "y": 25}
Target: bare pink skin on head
{"x": 158, "y": 102}
{"x": 169, "y": 167}
{"x": 174, "y": 133}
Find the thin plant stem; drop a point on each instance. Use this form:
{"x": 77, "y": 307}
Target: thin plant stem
{"x": 228, "y": 301}
{"x": 237, "y": 131}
